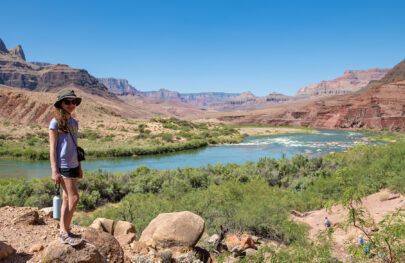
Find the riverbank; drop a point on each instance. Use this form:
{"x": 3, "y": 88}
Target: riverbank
{"x": 130, "y": 138}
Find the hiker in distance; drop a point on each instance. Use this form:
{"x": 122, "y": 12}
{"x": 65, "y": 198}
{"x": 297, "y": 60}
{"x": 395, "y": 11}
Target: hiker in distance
{"x": 66, "y": 168}
{"x": 326, "y": 222}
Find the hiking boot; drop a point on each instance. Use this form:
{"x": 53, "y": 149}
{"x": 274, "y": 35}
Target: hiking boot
{"x": 73, "y": 235}
{"x": 67, "y": 239}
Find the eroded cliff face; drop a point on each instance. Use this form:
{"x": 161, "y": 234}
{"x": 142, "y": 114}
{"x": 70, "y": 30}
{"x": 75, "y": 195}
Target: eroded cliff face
{"x": 381, "y": 107}
{"x": 349, "y": 82}
{"x": 16, "y": 72}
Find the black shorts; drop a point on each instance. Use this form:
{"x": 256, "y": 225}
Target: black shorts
{"x": 69, "y": 173}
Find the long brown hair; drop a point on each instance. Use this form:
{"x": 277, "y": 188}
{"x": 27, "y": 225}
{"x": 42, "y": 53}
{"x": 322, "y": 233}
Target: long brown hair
{"x": 62, "y": 118}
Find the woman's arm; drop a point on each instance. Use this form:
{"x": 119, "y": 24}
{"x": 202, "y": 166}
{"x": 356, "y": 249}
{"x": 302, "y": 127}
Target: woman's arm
{"x": 53, "y": 142}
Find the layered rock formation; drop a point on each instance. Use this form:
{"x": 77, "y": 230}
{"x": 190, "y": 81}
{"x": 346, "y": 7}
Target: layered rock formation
{"x": 16, "y": 72}
{"x": 373, "y": 108}
{"x": 118, "y": 86}
{"x": 248, "y": 101}
{"x": 201, "y": 100}
{"x": 349, "y": 82}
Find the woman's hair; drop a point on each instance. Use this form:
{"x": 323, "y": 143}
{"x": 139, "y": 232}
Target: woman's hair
{"x": 62, "y": 117}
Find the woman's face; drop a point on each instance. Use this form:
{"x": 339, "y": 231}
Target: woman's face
{"x": 69, "y": 105}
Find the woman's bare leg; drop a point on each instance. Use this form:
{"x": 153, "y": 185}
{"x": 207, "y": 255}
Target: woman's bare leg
{"x": 69, "y": 203}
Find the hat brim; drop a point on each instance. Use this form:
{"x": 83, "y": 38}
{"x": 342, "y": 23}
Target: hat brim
{"x": 59, "y": 102}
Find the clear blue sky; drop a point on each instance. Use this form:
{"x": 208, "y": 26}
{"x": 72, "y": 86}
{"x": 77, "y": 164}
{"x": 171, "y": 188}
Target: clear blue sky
{"x": 204, "y": 45}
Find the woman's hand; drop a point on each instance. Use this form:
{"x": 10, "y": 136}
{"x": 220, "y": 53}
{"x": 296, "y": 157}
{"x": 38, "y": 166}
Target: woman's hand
{"x": 80, "y": 173}
{"x": 56, "y": 177}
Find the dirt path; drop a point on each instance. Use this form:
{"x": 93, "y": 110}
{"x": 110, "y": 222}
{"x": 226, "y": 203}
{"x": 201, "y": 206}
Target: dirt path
{"x": 377, "y": 204}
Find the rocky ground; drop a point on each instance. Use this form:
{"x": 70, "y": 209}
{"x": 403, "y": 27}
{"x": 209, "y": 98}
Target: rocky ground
{"x": 30, "y": 235}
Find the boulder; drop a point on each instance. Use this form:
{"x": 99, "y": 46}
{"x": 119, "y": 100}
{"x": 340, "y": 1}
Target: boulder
{"x": 123, "y": 228}
{"x": 165, "y": 256}
{"x": 28, "y": 218}
{"x": 232, "y": 241}
{"x": 36, "y": 248}
{"x": 103, "y": 224}
{"x": 126, "y": 239}
{"x": 5, "y": 250}
{"x": 189, "y": 257}
{"x": 203, "y": 255}
{"x": 237, "y": 251}
{"x": 48, "y": 211}
{"x": 250, "y": 252}
{"x": 255, "y": 239}
{"x": 106, "y": 244}
{"x": 97, "y": 225}
{"x": 213, "y": 239}
{"x": 63, "y": 253}
{"x": 139, "y": 248}
{"x": 246, "y": 241}
{"x": 180, "y": 229}
{"x": 142, "y": 259}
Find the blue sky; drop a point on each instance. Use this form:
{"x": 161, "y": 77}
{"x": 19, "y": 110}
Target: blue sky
{"x": 196, "y": 46}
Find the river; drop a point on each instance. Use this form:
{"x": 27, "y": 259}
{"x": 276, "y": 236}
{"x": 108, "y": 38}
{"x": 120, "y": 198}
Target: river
{"x": 251, "y": 149}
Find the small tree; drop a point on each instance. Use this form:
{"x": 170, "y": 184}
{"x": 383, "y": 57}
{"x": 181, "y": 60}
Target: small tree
{"x": 386, "y": 238}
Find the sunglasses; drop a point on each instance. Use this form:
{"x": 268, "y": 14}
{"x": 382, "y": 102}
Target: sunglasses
{"x": 68, "y": 102}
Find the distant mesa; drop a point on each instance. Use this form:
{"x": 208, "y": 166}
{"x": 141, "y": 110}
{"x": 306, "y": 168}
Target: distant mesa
{"x": 118, "y": 86}
{"x": 163, "y": 94}
{"x": 351, "y": 81}
{"x": 200, "y": 100}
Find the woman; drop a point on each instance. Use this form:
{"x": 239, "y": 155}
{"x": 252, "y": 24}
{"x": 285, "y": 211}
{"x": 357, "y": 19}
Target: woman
{"x": 63, "y": 155}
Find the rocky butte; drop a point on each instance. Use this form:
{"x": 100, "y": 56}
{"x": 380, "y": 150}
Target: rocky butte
{"x": 16, "y": 72}
{"x": 349, "y": 82}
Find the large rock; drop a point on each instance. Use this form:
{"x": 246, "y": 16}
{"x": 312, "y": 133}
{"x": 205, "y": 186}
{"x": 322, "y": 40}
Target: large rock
{"x": 106, "y": 244}
{"x": 246, "y": 241}
{"x": 31, "y": 217}
{"x": 232, "y": 241}
{"x": 139, "y": 248}
{"x": 48, "y": 211}
{"x": 123, "y": 228}
{"x": 173, "y": 230}
{"x": 5, "y": 250}
{"x": 103, "y": 224}
{"x": 63, "y": 253}
{"x": 126, "y": 239}
{"x": 214, "y": 238}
